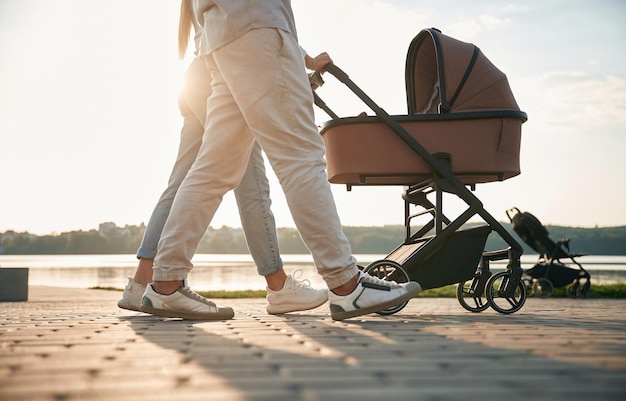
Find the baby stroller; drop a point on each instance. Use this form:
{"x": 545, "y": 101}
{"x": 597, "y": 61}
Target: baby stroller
{"x": 549, "y": 273}
{"x": 463, "y": 127}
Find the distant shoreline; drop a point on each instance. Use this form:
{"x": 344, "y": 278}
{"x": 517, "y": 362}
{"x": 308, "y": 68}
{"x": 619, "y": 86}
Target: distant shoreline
{"x": 110, "y": 239}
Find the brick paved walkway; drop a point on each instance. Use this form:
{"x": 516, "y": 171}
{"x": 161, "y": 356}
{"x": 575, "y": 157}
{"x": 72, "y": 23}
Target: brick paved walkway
{"x": 73, "y": 344}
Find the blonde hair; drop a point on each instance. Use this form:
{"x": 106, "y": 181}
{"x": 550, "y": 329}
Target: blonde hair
{"x": 184, "y": 27}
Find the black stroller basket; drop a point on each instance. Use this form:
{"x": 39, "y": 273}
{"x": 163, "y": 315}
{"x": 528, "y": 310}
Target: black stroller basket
{"x": 463, "y": 128}
{"x": 549, "y": 272}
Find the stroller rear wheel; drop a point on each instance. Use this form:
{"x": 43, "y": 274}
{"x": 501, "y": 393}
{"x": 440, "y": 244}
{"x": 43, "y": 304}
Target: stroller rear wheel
{"x": 469, "y": 297}
{"x": 390, "y": 271}
{"x": 496, "y": 290}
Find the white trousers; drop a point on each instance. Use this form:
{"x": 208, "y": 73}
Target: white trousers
{"x": 260, "y": 91}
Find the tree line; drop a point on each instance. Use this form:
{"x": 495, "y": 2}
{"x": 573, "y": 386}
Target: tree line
{"x": 110, "y": 239}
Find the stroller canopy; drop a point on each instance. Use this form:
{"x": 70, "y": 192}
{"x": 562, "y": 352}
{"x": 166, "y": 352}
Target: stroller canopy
{"x": 445, "y": 75}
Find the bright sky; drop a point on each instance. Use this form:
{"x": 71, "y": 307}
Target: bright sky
{"x": 89, "y": 124}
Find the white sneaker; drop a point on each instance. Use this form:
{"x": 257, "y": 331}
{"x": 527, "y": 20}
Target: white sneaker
{"x": 184, "y": 304}
{"x": 371, "y": 295}
{"x": 131, "y": 298}
{"x": 296, "y": 295}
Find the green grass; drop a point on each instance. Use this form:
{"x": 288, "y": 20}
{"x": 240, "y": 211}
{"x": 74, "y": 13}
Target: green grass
{"x": 615, "y": 291}
{"x": 605, "y": 291}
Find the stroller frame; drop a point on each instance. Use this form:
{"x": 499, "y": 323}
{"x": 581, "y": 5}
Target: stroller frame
{"x": 503, "y": 291}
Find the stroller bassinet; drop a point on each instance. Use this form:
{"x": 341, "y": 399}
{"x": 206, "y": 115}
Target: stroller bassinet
{"x": 458, "y": 104}
{"x": 463, "y": 127}
{"x": 549, "y": 273}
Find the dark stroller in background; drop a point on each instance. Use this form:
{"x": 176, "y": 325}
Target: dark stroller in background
{"x": 463, "y": 127}
{"x": 549, "y": 273}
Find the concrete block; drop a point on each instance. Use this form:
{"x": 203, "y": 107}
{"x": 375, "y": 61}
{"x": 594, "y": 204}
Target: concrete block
{"x": 14, "y": 284}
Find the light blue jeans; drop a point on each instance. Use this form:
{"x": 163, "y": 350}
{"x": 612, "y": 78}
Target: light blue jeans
{"x": 252, "y": 194}
{"x": 260, "y": 92}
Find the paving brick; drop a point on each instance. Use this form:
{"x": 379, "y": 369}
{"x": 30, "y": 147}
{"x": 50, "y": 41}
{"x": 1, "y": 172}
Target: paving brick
{"x": 73, "y": 344}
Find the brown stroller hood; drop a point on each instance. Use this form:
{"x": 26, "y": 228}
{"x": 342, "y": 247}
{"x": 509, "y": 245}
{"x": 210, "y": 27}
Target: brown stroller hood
{"x": 445, "y": 75}
{"x": 460, "y": 108}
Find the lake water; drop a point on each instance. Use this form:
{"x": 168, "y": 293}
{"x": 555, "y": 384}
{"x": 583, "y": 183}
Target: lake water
{"x": 231, "y": 272}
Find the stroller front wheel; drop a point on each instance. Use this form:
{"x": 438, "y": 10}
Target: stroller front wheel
{"x": 469, "y": 298}
{"x": 390, "y": 271}
{"x": 497, "y": 293}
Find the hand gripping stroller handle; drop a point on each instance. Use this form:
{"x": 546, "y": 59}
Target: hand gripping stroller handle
{"x": 316, "y": 81}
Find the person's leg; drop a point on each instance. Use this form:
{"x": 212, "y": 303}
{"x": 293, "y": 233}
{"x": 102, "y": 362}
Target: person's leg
{"x": 190, "y": 140}
{"x": 219, "y": 167}
{"x": 220, "y": 164}
{"x": 257, "y": 220}
{"x": 192, "y": 105}
{"x": 285, "y": 293}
